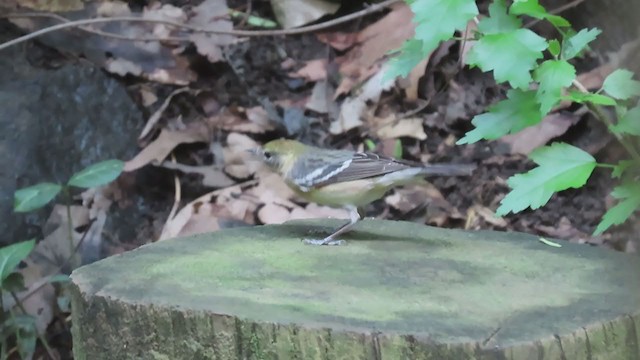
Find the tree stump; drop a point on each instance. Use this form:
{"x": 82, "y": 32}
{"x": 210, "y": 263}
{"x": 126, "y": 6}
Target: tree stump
{"x": 397, "y": 290}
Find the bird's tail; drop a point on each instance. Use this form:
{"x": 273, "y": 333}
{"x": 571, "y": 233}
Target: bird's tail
{"x": 448, "y": 169}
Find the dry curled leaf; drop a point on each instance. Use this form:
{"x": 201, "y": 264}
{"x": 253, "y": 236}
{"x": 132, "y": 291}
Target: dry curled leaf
{"x": 162, "y": 146}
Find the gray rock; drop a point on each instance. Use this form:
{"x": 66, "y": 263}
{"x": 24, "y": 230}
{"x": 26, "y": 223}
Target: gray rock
{"x": 54, "y": 123}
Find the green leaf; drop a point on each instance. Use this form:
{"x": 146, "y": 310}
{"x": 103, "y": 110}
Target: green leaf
{"x": 534, "y": 9}
{"x": 549, "y": 242}
{"x": 574, "y": 45}
{"x": 34, "y": 197}
{"x": 629, "y": 123}
{"x": 558, "y": 21}
{"x": 10, "y": 256}
{"x": 97, "y": 174}
{"x": 498, "y": 21}
{"x": 59, "y": 278}
{"x": 597, "y": 99}
{"x": 437, "y": 20}
{"x": 25, "y": 335}
{"x": 553, "y": 76}
{"x": 620, "y": 168}
{"x": 397, "y": 149}
{"x": 518, "y": 111}
{"x": 253, "y": 20}
{"x": 528, "y": 7}
{"x": 629, "y": 193}
{"x": 13, "y": 283}
{"x": 554, "y": 47}
{"x": 561, "y": 166}
{"x": 370, "y": 145}
{"x": 620, "y": 85}
{"x": 401, "y": 65}
{"x": 510, "y": 55}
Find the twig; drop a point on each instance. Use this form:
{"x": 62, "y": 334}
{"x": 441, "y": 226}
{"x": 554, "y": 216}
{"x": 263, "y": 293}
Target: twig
{"x": 557, "y": 11}
{"x": 253, "y": 33}
{"x": 94, "y": 31}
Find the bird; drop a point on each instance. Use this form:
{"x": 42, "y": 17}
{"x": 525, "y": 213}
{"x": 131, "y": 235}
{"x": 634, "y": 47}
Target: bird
{"x": 344, "y": 179}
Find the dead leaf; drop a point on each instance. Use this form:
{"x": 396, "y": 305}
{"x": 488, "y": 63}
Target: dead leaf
{"x": 529, "y": 139}
{"x": 41, "y": 300}
{"x": 272, "y": 213}
{"x": 353, "y": 107}
{"x": 52, "y": 6}
{"x": 313, "y": 70}
{"x": 294, "y": 13}
{"x": 256, "y": 120}
{"x": 320, "y": 99}
{"x": 212, "y": 177}
{"x": 238, "y": 162}
{"x": 340, "y": 41}
{"x": 392, "y": 128}
{"x": 477, "y": 212}
{"x": 411, "y": 91}
{"x": 162, "y": 146}
{"x": 155, "y": 117}
{"x": 373, "y": 44}
{"x": 211, "y": 15}
{"x": 593, "y": 79}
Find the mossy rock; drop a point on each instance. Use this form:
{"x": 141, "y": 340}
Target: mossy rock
{"x": 397, "y": 290}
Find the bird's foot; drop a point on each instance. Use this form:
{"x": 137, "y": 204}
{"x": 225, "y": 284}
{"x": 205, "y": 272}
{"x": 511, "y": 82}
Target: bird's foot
{"x": 328, "y": 242}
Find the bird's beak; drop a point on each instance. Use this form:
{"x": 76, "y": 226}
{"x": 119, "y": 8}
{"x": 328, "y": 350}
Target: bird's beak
{"x": 254, "y": 151}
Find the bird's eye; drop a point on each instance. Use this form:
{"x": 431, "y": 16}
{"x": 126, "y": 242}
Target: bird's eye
{"x": 267, "y": 155}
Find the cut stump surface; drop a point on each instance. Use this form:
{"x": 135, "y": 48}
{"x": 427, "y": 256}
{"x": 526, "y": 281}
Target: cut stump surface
{"x": 397, "y": 290}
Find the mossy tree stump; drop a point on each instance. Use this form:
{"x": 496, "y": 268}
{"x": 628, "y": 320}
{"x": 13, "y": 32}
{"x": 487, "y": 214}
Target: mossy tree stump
{"x": 396, "y": 291}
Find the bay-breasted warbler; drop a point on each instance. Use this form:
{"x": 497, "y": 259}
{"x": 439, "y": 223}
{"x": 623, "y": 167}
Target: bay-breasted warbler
{"x": 345, "y": 179}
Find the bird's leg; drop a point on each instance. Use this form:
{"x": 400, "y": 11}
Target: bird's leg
{"x": 354, "y": 215}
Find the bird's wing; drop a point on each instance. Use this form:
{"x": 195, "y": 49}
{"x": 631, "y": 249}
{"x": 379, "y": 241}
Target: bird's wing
{"x": 341, "y": 166}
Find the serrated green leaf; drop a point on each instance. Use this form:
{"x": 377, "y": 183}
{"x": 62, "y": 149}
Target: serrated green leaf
{"x": 499, "y": 20}
{"x": 629, "y": 123}
{"x": 620, "y": 85}
{"x": 553, "y": 76}
{"x": 597, "y": 99}
{"x": 34, "y": 197}
{"x": 574, "y": 45}
{"x": 561, "y": 166}
{"x": 437, "y": 20}
{"x": 401, "y": 65}
{"x": 518, "y": 111}
{"x": 510, "y": 55}
{"x": 620, "y": 168}
{"x": 630, "y": 193}
{"x": 97, "y": 174}
{"x": 554, "y": 47}
{"x": 11, "y": 255}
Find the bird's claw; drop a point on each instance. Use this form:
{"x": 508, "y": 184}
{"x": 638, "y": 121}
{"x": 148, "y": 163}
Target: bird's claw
{"x": 324, "y": 242}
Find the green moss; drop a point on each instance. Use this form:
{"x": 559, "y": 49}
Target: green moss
{"x": 450, "y": 287}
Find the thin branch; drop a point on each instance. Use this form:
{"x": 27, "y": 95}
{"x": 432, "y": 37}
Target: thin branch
{"x": 250, "y": 33}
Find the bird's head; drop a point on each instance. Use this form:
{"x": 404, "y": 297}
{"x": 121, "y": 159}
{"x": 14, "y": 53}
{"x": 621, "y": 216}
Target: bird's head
{"x": 279, "y": 155}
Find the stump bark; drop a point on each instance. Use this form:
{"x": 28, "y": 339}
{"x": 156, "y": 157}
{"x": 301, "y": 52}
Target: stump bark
{"x": 397, "y": 290}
